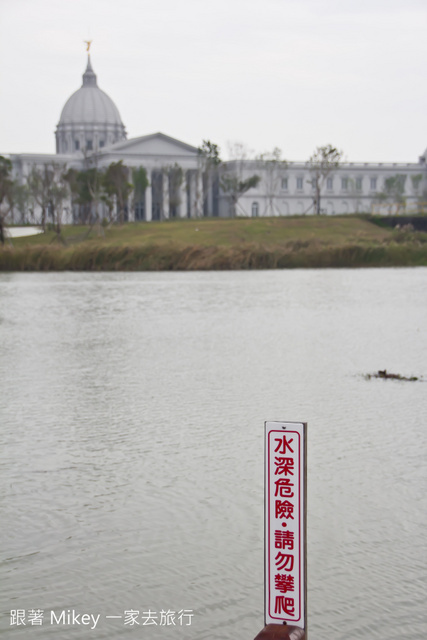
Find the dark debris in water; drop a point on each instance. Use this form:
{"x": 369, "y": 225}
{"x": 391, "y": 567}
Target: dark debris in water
{"x": 385, "y": 375}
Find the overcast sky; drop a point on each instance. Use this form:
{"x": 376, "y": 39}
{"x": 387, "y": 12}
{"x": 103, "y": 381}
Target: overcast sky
{"x": 292, "y": 74}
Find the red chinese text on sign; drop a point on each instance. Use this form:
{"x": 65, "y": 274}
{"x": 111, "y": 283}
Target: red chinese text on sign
{"x": 285, "y": 534}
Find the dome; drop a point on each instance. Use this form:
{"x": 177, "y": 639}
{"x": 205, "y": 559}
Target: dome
{"x": 89, "y": 120}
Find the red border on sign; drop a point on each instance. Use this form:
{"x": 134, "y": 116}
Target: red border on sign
{"x": 300, "y": 546}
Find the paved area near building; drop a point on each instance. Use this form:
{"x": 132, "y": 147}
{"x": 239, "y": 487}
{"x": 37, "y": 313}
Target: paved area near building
{"x": 19, "y": 232}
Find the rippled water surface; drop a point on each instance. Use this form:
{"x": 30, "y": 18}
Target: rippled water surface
{"x": 132, "y": 412}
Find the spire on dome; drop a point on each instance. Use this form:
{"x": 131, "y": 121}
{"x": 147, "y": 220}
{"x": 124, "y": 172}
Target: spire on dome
{"x": 89, "y": 76}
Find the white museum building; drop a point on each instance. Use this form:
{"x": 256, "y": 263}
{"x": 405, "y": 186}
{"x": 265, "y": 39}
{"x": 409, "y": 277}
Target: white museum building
{"x": 91, "y": 133}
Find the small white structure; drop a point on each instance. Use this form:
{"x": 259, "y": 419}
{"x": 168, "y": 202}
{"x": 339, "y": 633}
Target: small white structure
{"x": 20, "y": 232}
{"x": 90, "y": 133}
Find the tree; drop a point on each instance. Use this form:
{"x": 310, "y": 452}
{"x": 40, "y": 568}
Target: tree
{"x": 60, "y": 192}
{"x": 416, "y": 181}
{"x": 235, "y": 188}
{"x": 39, "y": 182}
{"x": 175, "y": 175}
{"x": 116, "y": 182}
{"x": 393, "y": 191}
{"x": 48, "y": 187}
{"x": 87, "y": 191}
{"x": 233, "y": 181}
{"x": 272, "y": 166}
{"x": 321, "y": 164}
{"x": 140, "y": 183}
{"x": 20, "y": 197}
{"x": 6, "y": 186}
{"x": 92, "y": 182}
{"x": 91, "y": 194}
{"x": 209, "y": 162}
{"x": 210, "y": 151}
{"x": 71, "y": 179}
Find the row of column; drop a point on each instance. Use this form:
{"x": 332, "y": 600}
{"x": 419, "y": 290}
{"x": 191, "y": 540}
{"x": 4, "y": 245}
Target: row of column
{"x": 187, "y": 200}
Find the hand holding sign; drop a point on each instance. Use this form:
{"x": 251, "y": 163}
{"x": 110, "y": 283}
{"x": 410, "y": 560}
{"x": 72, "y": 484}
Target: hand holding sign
{"x": 281, "y": 632}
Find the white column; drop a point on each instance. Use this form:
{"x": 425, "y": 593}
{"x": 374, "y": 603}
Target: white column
{"x": 131, "y": 210}
{"x": 199, "y": 194}
{"x": 148, "y": 199}
{"x": 165, "y": 196}
{"x": 209, "y": 195}
{"x": 192, "y": 185}
{"x": 183, "y": 197}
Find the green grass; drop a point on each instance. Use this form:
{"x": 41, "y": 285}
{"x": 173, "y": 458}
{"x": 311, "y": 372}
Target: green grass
{"x": 255, "y": 243}
{"x": 222, "y": 232}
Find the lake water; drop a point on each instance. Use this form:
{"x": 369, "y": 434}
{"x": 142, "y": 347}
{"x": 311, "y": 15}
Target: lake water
{"x": 132, "y": 413}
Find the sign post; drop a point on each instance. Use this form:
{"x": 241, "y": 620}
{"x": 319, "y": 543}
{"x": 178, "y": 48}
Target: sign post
{"x": 285, "y": 523}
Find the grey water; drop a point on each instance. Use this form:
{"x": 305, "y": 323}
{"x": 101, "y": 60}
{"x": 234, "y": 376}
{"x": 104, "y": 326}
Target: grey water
{"x": 131, "y": 412}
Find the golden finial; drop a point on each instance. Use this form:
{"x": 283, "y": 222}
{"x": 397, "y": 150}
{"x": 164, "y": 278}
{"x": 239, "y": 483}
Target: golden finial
{"x": 88, "y": 43}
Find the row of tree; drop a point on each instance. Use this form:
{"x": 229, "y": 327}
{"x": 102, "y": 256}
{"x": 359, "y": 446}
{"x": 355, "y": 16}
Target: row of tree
{"x": 321, "y": 165}
{"x": 234, "y": 183}
{"x": 51, "y": 187}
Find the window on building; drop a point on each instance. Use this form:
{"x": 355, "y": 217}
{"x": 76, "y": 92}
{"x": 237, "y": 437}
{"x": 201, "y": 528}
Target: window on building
{"x": 255, "y": 209}
{"x": 89, "y": 145}
{"x": 101, "y": 143}
{"x": 359, "y": 184}
{"x": 76, "y": 145}
{"x": 299, "y": 183}
{"x": 373, "y": 184}
{"x": 329, "y": 184}
{"x": 284, "y": 183}
{"x": 344, "y": 184}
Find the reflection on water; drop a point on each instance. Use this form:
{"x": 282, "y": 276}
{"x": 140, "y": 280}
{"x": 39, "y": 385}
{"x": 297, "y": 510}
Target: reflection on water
{"x": 132, "y": 415}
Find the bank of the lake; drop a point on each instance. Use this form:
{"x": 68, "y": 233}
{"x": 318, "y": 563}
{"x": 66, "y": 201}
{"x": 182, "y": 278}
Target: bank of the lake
{"x": 220, "y": 244}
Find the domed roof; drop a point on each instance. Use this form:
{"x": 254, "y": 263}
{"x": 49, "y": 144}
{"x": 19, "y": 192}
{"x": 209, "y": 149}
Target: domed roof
{"x": 90, "y": 105}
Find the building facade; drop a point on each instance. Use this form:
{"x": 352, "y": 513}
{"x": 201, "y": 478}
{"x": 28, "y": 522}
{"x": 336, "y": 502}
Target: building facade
{"x": 288, "y": 189}
{"x": 181, "y": 184}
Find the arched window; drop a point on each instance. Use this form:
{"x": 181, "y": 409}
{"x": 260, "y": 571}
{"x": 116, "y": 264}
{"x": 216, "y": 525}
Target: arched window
{"x": 255, "y": 209}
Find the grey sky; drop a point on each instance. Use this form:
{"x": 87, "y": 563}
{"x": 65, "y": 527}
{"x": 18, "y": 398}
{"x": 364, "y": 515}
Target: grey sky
{"x": 288, "y": 73}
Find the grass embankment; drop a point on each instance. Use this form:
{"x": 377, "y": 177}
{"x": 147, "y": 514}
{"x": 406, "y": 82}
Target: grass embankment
{"x": 257, "y": 243}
